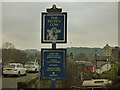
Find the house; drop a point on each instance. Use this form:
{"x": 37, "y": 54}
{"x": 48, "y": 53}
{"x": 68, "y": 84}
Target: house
{"x": 107, "y": 51}
{"x": 103, "y": 68}
{"x": 115, "y": 52}
{"x": 90, "y": 66}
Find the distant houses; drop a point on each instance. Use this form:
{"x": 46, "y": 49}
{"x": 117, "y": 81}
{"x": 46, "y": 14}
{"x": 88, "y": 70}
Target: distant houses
{"x": 89, "y": 65}
{"x": 86, "y": 50}
{"x": 109, "y": 55}
{"x": 115, "y": 53}
{"x": 107, "y": 51}
{"x": 101, "y": 58}
{"x": 103, "y": 68}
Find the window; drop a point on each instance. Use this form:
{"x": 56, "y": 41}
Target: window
{"x": 99, "y": 82}
{"x": 21, "y": 66}
{"x": 18, "y": 66}
{"x": 29, "y": 64}
{"x": 10, "y": 66}
{"x": 36, "y": 64}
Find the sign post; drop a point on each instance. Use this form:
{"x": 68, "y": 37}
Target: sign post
{"x": 54, "y": 30}
{"x": 53, "y": 81}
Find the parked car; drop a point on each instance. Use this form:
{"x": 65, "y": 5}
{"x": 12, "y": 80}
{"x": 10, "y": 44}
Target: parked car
{"x": 14, "y": 69}
{"x": 95, "y": 83}
{"x": 32, "y": 66}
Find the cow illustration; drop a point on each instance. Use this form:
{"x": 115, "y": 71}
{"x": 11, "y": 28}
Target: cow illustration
{"x": 53, "y": 33}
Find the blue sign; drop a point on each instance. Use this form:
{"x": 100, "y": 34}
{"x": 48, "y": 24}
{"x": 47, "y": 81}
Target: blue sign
{"x": 54, "y": 27}
{"x": 53, "y": 64}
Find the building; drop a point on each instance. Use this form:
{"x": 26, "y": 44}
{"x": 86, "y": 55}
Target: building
{"x": 105, "y": 67}
{"x": 115, "y": 52}
{"x": 107, "y": 51}
{"x": 82, "y": 62}
{"x": 109, "y": 55}
{"x": 90, "y": 67}
{"x": 119, "y": 55}
{"x": 101, "y": 60}
{"x": 100, "y": 63}
{"x": 106, "y": 55}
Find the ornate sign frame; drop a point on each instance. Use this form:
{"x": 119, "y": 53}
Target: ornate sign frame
{"x": 54, "y": 27}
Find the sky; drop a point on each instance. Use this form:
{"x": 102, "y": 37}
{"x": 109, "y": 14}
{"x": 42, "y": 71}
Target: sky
{"x": 89, "y": 24}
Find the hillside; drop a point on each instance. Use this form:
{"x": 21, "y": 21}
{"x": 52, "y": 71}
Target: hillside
{"x": 88, "y": 51}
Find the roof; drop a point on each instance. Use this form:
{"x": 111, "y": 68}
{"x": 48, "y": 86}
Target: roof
{"x": 32, "y": 62}
{"x": 101, "y": 60}
{"x": 82, "y": 62}
{"x": 89, "y": 64}
{"x": 95, "y": 82}
{"x": 107, "y": 47}
{"x": 14, "y": 63}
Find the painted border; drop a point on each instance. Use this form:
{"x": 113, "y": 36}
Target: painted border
{"x": 43, "y": 23}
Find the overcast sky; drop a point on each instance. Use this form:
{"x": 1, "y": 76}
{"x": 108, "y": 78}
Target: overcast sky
{"x": 90, "y": 24}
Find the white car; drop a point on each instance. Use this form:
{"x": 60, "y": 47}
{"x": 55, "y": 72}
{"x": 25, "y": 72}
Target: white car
{"x": 32, "y": 66}
{"x": 14, "y": 69}
{"x": 95, "y": 83}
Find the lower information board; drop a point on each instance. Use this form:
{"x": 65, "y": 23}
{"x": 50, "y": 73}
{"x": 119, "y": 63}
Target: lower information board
{"x": 53, "y": 64}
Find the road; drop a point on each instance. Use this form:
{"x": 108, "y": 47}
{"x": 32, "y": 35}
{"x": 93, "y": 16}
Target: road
{"x": 11, "y": 81}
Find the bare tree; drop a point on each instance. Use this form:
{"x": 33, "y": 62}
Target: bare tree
{"x": 8, "y": 45}
{"x": 81, "y": 57}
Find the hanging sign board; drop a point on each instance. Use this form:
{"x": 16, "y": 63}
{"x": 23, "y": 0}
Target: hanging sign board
{"x": 53, "y": 64}
{"x": 54, "y": 27}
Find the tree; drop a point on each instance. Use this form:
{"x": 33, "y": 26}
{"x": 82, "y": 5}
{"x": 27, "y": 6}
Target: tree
{"x": 114, "y": 76}
{"x": 81, "y": 57}
{"x": 73, "y": 75}
{"x": 13, "y": 55}
{"x": 8, "y": 45}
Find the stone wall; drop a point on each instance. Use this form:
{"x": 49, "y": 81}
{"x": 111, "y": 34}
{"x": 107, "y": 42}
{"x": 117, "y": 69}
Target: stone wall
{"x": 32, "y": 83}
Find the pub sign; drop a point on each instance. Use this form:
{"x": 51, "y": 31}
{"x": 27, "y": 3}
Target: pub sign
{"x": 53, "y": 64}
{"x": 54, "y": 27}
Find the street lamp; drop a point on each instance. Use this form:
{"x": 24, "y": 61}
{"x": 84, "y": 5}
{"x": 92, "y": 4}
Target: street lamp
{"x": 95, "y": 57}
{"x": 107, "y": 64}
